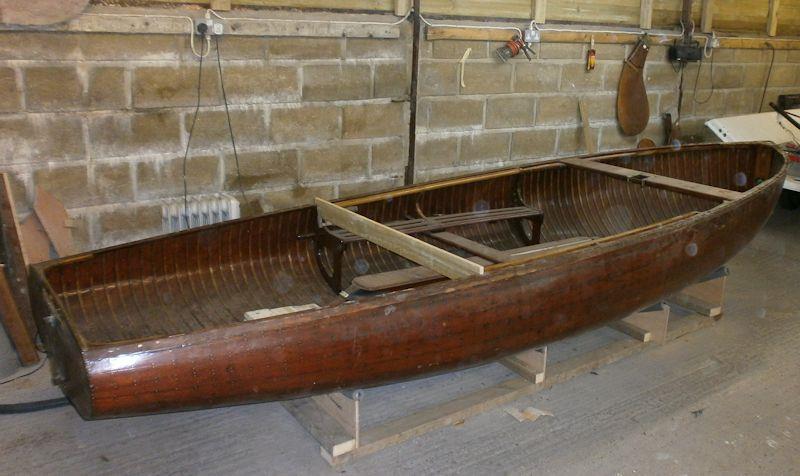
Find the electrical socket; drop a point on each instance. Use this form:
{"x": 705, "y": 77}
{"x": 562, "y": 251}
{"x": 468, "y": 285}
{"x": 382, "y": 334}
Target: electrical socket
{"x": 213, "y": 28}
{"x": 715, "y": 42}
{"x": 532, "y": 36}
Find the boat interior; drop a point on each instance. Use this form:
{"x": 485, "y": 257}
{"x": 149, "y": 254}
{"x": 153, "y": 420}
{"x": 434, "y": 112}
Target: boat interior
{"x": 294, "y": 261}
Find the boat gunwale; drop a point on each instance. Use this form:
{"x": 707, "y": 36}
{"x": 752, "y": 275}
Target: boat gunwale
{"x": 500, "y": 270}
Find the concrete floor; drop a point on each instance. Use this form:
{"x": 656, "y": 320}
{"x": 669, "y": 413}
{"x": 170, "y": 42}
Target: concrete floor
{"x": 724, "y": 400}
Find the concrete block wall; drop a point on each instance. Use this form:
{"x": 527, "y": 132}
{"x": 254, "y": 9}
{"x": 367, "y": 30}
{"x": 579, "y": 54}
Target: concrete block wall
{"x": 506, "y": 114}
{"x": 102, "y": 120}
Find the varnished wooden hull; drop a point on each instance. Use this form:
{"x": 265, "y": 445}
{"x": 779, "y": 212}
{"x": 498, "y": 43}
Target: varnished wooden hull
{"x": 156, "y": 325}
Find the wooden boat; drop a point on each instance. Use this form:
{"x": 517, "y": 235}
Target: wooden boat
{"x": 481, "y": 267}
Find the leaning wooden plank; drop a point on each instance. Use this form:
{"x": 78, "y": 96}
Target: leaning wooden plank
{"x": 659, "y": 181}
{"x": 15, "y": 325}
{"x": 424, "y": 254}
{"x": 17, "y": 316}
{"x": 55, "y": 220}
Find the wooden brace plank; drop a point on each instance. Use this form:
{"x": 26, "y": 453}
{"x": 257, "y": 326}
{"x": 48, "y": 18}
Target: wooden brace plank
{"x": 772, "y": 19}
{"x": 418, "y": 251}
{"x": 707, "y": 16}
{"x": 482, "y": 34}
{"x": 540, "y": 11}
{"x": 659, "y": 181}
{"x": 646, "y": 15}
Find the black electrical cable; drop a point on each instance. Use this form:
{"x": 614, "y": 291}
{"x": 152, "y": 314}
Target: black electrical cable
{"x": 230, "y": 127}
{"x": 37, "y": 406}
{"x": 769, "y": 75}
{"x": 189, "y": 139}
{"x": 697, "y": 79}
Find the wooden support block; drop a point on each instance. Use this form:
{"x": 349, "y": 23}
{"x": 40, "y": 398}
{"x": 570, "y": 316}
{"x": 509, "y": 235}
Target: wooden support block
{"x": 647, "y": 325}
{"x": 531, "y": 364}
{"x": 344, "y": 410}
{"x": 632, "y": 330}
{"x": 334, "y": 441}
{"x": 704, "y": 297}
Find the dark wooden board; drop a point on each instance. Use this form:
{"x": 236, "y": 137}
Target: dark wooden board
{"x": 16, "y": 306}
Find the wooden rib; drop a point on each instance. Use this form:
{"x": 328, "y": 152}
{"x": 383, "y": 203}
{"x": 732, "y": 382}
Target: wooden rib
{"x": 425, "y": 254}
{"x": 659, "y": 181}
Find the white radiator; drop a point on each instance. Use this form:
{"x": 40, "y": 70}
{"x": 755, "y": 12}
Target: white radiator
{"x": 198, "y": 211}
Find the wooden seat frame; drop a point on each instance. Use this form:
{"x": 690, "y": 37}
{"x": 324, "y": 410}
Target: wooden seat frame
{"x": 331, "y": 241}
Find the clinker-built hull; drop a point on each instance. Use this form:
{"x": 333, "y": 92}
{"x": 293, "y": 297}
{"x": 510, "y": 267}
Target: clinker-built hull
{"x": 159, "y": 325}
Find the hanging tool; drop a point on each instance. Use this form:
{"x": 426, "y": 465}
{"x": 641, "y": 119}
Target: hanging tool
{"x": 591, "y": 56}
{"x": 512, "y": 49}
{"x": 633, "y": 108}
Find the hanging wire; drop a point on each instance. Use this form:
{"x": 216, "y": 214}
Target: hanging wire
{"x": 228, "y": 116}
{"x": 191, "y": 132}
{"x": 697, "y": 79}
{"x": 769, "y": 75}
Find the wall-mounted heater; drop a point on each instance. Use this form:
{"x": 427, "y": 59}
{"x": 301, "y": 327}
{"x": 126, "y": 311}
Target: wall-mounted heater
{"x": 177, "y": 215}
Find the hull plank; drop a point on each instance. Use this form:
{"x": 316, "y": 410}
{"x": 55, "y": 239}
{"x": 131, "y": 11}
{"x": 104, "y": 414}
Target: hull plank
{"x": 159, "y": 325}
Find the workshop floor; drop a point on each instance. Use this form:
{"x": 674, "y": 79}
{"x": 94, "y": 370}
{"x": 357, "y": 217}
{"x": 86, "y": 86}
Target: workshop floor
{"x": 723, "y": 400}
